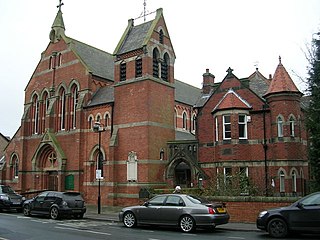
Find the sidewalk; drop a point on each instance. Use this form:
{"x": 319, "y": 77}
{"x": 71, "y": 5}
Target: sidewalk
{"x": 110, "y": 214}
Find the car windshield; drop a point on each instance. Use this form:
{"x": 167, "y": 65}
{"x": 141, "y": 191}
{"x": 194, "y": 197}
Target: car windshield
{"x": 6, "y": 189}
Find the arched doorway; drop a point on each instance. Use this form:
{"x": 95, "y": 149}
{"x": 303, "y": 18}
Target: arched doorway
{"x": 182, "y": 175}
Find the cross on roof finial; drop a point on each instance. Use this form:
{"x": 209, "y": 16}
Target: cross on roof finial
{"x": 279, "y": 59}
{"x": 230, "y": 70}
{"x": 60, "y": 4}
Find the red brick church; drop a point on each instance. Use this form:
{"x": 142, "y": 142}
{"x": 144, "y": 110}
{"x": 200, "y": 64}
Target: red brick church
{"x": 122, "y": 122}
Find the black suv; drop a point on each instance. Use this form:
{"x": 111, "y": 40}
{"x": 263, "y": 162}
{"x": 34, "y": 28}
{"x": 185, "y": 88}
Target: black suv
{"x": 9, "y": 199}
{"x": 56, "y": 205}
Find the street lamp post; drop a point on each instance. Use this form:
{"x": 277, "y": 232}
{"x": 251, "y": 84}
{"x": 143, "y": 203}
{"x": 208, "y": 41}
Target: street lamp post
{"x": 98, "y": 129}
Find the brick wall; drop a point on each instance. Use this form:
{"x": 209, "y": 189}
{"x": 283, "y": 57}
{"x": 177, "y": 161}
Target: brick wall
{"x": 246, "y": 209}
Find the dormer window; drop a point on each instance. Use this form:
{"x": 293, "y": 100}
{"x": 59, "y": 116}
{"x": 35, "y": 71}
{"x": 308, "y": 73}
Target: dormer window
{"x": 161, "y": 36}
{"x": 123, "y": 71}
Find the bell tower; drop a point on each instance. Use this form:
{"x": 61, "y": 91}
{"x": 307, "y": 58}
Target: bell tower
{"x": 144, "y": 100}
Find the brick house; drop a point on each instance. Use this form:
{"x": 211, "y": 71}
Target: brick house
{"x": 123, "y": 118}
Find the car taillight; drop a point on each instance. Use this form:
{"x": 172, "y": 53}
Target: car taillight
{"x": 211, "y": 210}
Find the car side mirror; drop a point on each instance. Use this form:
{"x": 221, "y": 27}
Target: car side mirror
{"x": 146, "y": 204}
{"x": 300, "y": 205}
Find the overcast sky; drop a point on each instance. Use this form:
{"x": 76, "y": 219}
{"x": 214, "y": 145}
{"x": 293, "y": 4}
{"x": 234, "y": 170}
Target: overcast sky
{"x": 205, "y": 34}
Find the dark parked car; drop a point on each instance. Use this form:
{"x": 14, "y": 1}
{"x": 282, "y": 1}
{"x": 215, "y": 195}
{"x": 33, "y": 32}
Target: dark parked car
{"x": 185, "y": 211}
{"x": 56, "y": 205}
{"x": 302, "y": 216}
{"x": 9, "y": 199}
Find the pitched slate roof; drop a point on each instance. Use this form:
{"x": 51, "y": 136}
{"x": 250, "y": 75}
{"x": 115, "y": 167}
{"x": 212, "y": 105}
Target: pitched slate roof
{"x": 232, "y": 100}
{"x": 281, "y": 81}
{"x": 258, "y": 83}
{"x": 98, "y": 62}
{"x": 135, "y": 38}
{"x": 186, "y": 93}
{"x": 103, "y": 95}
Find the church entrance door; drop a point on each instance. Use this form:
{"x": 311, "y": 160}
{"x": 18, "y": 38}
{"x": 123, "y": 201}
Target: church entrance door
{"x": 183, "y": 175}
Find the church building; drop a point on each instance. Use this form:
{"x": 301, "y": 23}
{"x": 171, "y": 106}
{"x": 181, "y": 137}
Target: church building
{"x": 120, "y": 122}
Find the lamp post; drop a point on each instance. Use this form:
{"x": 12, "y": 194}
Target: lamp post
{"x": 98, "y": 129}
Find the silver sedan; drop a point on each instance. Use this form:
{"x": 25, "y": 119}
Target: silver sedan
{"x": 185, "y": 211}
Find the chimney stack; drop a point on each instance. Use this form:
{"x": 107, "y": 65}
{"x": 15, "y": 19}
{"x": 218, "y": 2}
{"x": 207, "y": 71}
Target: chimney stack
{"x": 208, "y": 82}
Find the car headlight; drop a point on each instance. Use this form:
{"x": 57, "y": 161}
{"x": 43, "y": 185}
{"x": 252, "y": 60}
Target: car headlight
{"x": 64, "y": 204}
{"x": 4, "y": 197}
{"x": 23, "y": 198}
{"x": 261, "y": 214}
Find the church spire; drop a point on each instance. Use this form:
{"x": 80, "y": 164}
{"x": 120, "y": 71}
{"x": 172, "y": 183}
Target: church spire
{"x": 57, "y": 28}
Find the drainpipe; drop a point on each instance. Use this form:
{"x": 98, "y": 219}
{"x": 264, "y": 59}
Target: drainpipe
{"x": 265, "y": 148}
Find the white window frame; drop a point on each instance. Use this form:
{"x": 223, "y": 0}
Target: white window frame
{"x": 224, "y": 127}
{"x": 280, "y": 126}
{"x": 245, "y": 123}
{"x": 216, "y": 129}
{"x": 292, "y": 122}
{"x": 294, "y": 181}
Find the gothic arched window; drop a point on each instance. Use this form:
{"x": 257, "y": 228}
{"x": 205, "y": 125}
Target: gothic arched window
{"x": 280, "y": 126}
{"x": 35, "y": 117}
{"x": 292, "y": 122}
{"x": 62, "y": 109}
{"x": 138, "y": 67}
{"x": 74, "y": 106}
{"x": 184, "y": 121}
{"x": 156, "y": 63}
{"x": 161, "y": 36}
{"x": 165, "y": 67}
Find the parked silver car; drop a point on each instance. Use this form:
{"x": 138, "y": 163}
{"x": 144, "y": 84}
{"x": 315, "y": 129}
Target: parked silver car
{"x": 185, "y": 211}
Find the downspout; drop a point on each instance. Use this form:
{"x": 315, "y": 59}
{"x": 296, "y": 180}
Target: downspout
{"x": 265, "y": 148}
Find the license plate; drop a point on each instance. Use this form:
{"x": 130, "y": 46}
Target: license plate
{"x": 76, "y": 211}
{"x": 221, "y": 210}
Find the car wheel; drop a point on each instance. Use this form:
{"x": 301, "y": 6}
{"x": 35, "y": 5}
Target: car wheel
{"x": 129, "y": 220}
{"x": 54, "y": 213}
{"x": 187, "y": 224}
{"x": 26, "y": 210}
{"x": 277, "y": 228}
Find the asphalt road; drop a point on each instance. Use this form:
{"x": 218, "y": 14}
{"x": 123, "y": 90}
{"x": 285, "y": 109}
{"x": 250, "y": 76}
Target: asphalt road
{"x": 14, "y": 226}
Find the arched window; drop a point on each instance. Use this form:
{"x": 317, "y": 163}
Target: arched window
{"x": 161, "y": 36}
{"x": 165, "y": 67}
{"x": 294, "y": 181}
{"x": 59, "y": 59}
{"x": 280, "y": 126}
{"x": 194, "y": 122}
{"x": 90, "y": 122}
{"x": 292, "y": 123}
{"x": 156, "y": 63}
{"x": 62, "y": 109}
{"x": 35, "y": 105}
{"x": 44, "y": 109}
{"x": 98, "y": 118}
{"x": 123, "y": 71}
{"x": 75, "y": 96}
{"x": 106, "y": 120}
{"x": 184, "y": 121}
{"x": 15, "y": 165}
{"x": 282, "y": 179}
{"x": 138, "y": 67}
{"x": 51, "y": 62}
